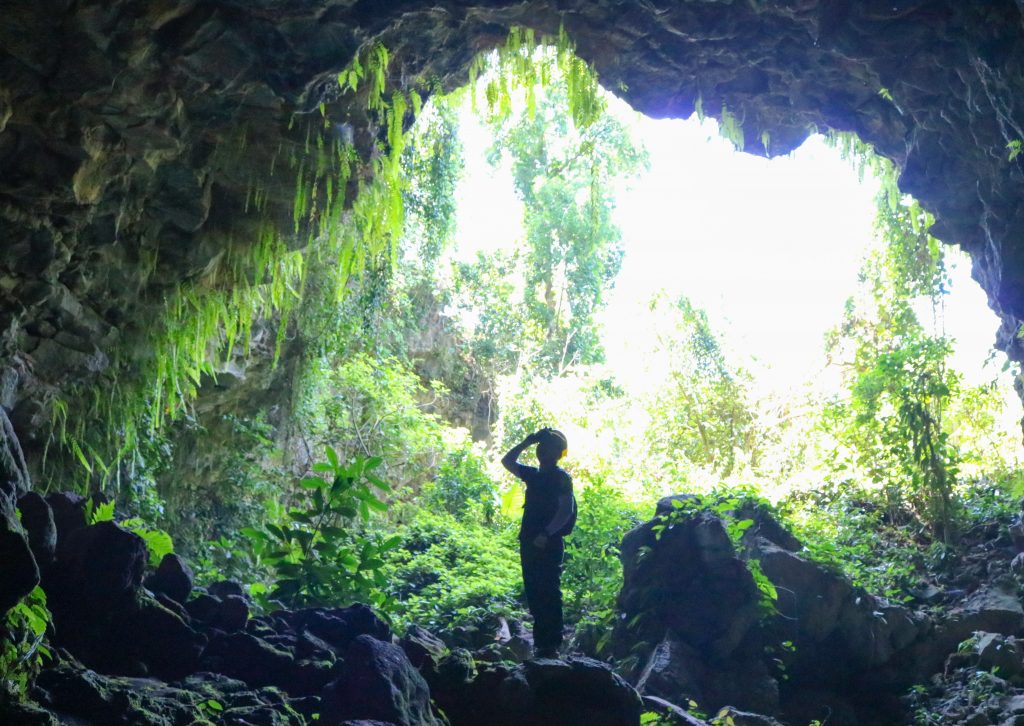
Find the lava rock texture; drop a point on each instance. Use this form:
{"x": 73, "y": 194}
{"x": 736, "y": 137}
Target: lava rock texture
{"x": 694, "y": 624}
{"x": 131, "y": 131}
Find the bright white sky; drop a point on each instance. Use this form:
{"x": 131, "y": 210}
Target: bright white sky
{"x": 770, "y": 249}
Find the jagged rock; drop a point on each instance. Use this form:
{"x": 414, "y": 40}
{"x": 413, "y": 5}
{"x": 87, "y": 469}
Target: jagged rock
{"x": 545, "y": 692}
{"x": 837, "y": 630}
{"x": 14, "y": 475}
{"x": 678, "y": 672}
{"x": 227, "y": 588}
{"x": 260, "y": 663}
{"x": 451, "y": 680}
{"x": 852, "y": 653}
{"x": 688, "y": 595}
{"x": 424, "y": 650}
{"x": 77, "y": 695}
{"x": 229, "y": 614}
{"x": 158, "y": 638}
{"x": 26, "y": 714}
{"x": 340, "y": 626}
{"x": 19, "y": 572}
{"x": 204, "y": 608}
{"x": 233, "y": 613}
{"x": 688, "y": 581}
{"x": 103, "y": 616}
{"x": 99, "y": 565}
{"x": 766, "y": 527}
{"x": 37, "y": 519}
{"x": 173, "y": 578}
{"x": 994, "y": 608}
{"x": 378, "y": 682}
{"x": 1000, "y": 651}
{"x": 68, "y": 512}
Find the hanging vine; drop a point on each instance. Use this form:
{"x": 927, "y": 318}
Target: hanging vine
{"x": 204, "y": 322}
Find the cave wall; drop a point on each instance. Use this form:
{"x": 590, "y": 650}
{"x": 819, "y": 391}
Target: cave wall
{"x": 130, "y": 131}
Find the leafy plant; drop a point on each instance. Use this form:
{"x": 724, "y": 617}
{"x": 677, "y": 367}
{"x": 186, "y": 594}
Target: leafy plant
{"x": 318, "y": 553}
{"x": 22, "y": 643}
{"x": 450, "y": 573}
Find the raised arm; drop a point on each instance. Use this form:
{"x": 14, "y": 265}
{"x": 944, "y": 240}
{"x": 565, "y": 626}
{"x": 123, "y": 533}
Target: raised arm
{"x": 510, "y": 460}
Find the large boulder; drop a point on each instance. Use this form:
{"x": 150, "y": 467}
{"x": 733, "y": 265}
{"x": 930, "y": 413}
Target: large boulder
{"x": 14, "y": 475}
{"x": 690, "y": 601}
{"x": 378, "y": 683}
{"x": 68, "y": 512}
{"x": 37, "y": 519}
{"x": 339, "y": 626}
{"x": 104, "y": 617}
{"x": 173, "y": 578}
{"x": 19, "y": 573}
{"x": 682, "y": 574}
{"x": 543, "y": 692}
{"x": 98, "y": 566}
{"x": 693, "y": 601}
{"x": 76, "y": 695}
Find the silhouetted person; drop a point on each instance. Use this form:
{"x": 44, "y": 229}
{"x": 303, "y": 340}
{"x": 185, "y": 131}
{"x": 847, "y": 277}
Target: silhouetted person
{"x": 548, "y": 515}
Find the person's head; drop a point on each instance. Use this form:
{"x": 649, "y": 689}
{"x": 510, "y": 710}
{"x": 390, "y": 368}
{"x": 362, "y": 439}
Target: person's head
{"x": 551, "y": 447}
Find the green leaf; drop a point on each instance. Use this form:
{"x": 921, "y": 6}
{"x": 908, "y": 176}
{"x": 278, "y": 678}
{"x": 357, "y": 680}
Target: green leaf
{"x": 252, "y": 533}
{"x": 102, "y": 513}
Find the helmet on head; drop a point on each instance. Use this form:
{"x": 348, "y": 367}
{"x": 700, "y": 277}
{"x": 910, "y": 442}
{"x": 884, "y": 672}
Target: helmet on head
{"x": 553, "y": 441}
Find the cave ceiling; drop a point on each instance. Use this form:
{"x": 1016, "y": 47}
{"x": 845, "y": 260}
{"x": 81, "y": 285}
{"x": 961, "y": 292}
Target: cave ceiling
{"x": 116, "y": 118}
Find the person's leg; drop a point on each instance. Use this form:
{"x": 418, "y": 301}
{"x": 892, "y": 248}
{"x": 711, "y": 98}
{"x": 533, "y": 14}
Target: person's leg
{"x": 546, "y": 604}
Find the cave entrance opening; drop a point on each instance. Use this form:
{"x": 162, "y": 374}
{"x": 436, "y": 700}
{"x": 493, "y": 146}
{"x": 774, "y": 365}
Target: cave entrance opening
{"x": 756, "y": 257}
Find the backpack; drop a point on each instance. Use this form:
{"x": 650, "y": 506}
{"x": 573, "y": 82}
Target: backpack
{"x": 570, "y": 523}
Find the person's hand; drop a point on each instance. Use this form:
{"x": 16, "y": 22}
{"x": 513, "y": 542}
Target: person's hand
{"x": 540, "y": 541}
{"x": 537, "y": 436}
{"x": 533, "y": 438}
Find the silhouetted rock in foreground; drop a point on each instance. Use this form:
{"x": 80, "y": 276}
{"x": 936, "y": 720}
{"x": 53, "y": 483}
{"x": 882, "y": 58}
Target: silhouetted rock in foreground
{"x": 378, "y": 682}
{"x": 544, "y": 692}
{"x": 693, "y": 625}
{"x": 18, "y": 570}
{"x": 830, "y": 650}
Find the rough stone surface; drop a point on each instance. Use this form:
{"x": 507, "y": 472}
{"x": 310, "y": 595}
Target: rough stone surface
{"x": 19, "y": 572}
{"x": 37, "y": 519}
{"x": 173, "y": 578}
{"x": 543, "y": 692}
{"x": 14, "y": 476}
{"x": 125, "y": 169}
{"x": 689, "y": 596}
{"x": 73, "y": 692}
{"x": 99, "y": 566}
{"x": 68, "y": 512}
{"x": 379, "y": 683}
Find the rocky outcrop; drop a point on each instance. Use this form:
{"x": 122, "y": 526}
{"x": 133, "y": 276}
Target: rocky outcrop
{"x": 542, "y": 692}
{"x": 155, "y": 649}
{"x": 821, "y": 647}
{"x": 132, "y": 133}
{"x": 19, "y": 573}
